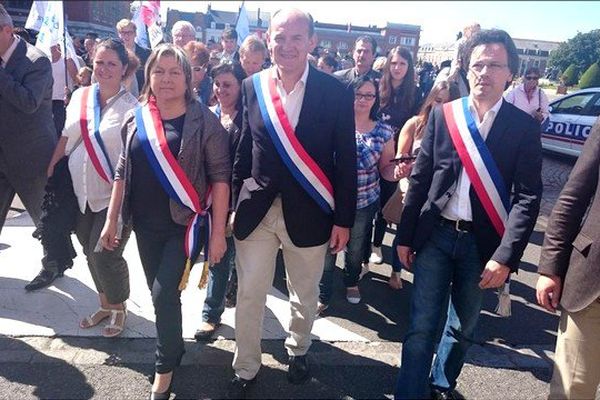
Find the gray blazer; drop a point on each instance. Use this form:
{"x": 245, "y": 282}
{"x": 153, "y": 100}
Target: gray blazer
{"x": 204, "y": 157}
{"x": 571, "y": 247}
{"x": 27, "y": 132}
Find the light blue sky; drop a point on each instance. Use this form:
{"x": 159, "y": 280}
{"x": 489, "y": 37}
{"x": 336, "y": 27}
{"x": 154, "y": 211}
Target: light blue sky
{"x": 440, "y": 20}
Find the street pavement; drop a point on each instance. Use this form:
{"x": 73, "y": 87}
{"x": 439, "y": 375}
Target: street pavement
{"x": 43, "y": 353}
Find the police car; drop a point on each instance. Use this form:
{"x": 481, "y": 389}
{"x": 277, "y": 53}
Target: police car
{"x": 570, "y": 121}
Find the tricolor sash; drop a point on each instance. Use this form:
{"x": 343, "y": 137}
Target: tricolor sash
{"x": 89, "y": 122}
{"x": 478, "y": 162}
{"x": 300, "y": 164}
{"x": 174, "y": 181}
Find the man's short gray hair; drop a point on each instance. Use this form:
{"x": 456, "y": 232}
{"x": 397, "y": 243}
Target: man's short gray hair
{"x": 183, "y": 25}
{"x": 5, "y": 18}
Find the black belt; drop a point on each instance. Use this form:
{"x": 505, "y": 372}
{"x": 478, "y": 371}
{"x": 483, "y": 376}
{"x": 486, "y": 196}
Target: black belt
{"x": 460, "y": 225}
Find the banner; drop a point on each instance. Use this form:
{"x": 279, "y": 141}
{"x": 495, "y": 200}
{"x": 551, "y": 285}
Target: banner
{"x": 242, "y": 26}
{"x": 36, "y": 15}
{"x": 52, "y": 27}
{"x": 150, "y": 14}
{"x": 141, "y": 35}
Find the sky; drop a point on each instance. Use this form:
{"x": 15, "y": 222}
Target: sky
{"x": 440, "y": 21}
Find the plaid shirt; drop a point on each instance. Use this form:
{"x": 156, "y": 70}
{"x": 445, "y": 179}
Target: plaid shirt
{"x": 368, "y": 152}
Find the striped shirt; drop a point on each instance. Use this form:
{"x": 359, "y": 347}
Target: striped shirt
{"x": 369, "y": 147}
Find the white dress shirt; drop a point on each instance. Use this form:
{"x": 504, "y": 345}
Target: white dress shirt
{"x": 292, "y": 101}
{"x": 459, "y": 205}
{"x": 11, "y": 49}
{"x": 87, "y": 184}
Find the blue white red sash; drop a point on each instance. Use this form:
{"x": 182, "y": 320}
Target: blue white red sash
{"x": 89, "y": 122}
{"x": 173, "y": 179}
{"x": 301, "y": 165}
{"x": 478, "y": 162}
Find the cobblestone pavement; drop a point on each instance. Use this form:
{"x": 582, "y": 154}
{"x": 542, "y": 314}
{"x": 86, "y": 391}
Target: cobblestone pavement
{"x": 555, "y": 172}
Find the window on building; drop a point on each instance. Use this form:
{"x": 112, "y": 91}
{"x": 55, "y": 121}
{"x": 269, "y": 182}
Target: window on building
{"x": 227, "y": 26}
{"x": 393, "y": 39}
{"x": 342, "y": 46}
{"x": 544, "y": 53}
{"x": 407, "y": 41}
{"x": 325, "y": 44}
{"x": 213, "y": 25}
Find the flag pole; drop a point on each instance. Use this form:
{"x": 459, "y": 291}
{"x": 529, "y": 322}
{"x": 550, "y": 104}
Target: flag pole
{"x": 64, "y": 49}
{"x": 239, "y": 11}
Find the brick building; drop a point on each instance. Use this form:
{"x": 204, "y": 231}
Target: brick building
{"x": 82, "y": 16}
{"x": 336, "y": 37}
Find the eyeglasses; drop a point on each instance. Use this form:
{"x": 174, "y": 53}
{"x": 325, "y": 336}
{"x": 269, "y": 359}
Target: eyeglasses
{"x": 532, "y": 78}
{"x": 362, "y": 96}
{"x": 201, "y": 68}
{"x": 492, "y": 67}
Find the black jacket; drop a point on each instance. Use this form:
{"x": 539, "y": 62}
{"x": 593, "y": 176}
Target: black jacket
{"x": 326, "y": 131}
{"x": 142, "y": 54}
{"x": 515, "y": 145}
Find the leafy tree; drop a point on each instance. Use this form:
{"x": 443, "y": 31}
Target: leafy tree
{"x": 591, "y": 77}
{"x": 570, "y": 76}
{"x": 582, "y": 50}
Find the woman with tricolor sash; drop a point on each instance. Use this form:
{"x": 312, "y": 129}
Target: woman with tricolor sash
{"x": 174, "y": 165}
{"x": 92, "y": 140}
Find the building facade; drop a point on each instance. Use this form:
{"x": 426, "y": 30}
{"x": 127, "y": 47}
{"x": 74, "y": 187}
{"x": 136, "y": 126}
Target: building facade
{"x": 532, "y": 53}
{"x": 82, "y": 17}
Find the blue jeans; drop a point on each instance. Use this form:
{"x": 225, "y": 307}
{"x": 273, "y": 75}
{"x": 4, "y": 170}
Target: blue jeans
{"x": 218, "y": 276}
{"x": 354, "y": 252}
{"x": 448, "y": 266}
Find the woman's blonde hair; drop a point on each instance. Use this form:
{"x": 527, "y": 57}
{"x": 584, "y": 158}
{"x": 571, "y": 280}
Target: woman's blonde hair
{"x": 168, "y": 50}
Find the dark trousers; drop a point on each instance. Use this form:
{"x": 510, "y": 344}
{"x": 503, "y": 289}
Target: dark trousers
{"x": 59, "y": 113}
{"x": 218, "y": 278}
{"x": 447, "y": 267}
{"x": 29, "y": 190}
{"x": 163, "y": 259}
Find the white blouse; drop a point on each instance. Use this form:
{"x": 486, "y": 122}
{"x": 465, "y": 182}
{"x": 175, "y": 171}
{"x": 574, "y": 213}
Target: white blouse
{"x": 89, "y": 188}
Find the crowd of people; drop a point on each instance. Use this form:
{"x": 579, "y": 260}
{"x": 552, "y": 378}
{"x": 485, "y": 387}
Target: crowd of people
{"x": 234, "y": 154}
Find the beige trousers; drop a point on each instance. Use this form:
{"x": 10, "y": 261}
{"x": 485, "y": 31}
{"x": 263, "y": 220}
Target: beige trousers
{"x": 255, "y": 267}
{"x": 577, "y": 359}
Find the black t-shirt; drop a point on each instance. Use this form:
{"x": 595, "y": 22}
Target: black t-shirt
{"x": 149, "y": 202}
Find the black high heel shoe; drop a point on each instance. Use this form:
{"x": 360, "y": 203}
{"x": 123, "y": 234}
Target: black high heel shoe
{"x": 163, "y": 395}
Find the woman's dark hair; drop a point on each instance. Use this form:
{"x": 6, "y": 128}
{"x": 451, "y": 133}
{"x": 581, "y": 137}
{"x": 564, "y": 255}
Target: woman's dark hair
{"x": 234, "y": 68}
{"x": 491, "y": 36}
{"x": 330, "y": 60}
{"x": 407, "y": 88}
{"x": 127, "y": 58}
{"x": 357, "y": 83}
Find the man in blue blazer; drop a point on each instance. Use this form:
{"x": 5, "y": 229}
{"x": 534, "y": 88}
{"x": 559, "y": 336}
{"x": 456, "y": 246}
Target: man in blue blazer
{"x": 450, "y": 238}
{"x": 294, "y": 183}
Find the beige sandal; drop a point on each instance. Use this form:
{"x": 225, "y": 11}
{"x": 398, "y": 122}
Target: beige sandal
{"x": 94, "y": 319}
{"x": 112, "y": 325}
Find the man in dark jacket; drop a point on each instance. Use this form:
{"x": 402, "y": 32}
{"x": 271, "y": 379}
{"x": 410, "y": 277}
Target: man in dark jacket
{"x": 458, "y": 218}
{"x": 570, "y": 274}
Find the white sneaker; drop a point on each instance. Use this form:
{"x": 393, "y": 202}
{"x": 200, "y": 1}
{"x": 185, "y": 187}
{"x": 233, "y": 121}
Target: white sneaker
{"x": 376, "y": 257}
{"x": 353, "y": 295}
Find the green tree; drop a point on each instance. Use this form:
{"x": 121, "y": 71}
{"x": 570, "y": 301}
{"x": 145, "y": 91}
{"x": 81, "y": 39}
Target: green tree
{"x": 570, "y": 75}
{"x": 591, "y": 77}
{"x": 582, "y": 50}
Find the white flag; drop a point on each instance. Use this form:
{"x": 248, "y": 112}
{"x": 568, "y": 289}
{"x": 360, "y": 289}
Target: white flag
{"x": 52, "y": 29}
{"x": 150, "y": 13}
{"x": 36, "y": 15}
{"x": 242, "y": 27}
{"x": 141, "y": 36}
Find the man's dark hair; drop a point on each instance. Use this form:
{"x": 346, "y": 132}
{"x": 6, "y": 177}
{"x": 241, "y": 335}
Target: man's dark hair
{"x": 491, "y": 36}
{"x": 229, "y": 33}
{"x": 368, "y": 39}
{"x": 310, "y": 21}
{"x": 91, "y": 35}
{"x": 357, "y": 83}
{"x": 23, "y": 34}
{"x": 533, "y": 70}
{"x": 330, "y": 60}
